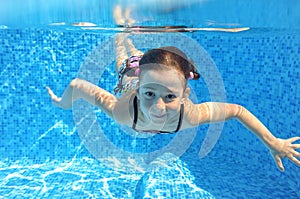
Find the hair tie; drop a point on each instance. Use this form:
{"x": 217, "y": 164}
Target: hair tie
{"x": 191, "y": 75}
{"x": 137, "y": 72}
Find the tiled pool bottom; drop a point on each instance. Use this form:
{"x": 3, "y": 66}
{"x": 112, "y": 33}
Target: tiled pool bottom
{"x": 87, "y": 178}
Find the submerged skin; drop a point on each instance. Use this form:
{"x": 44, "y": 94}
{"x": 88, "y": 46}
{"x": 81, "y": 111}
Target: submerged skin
{"x": 159, "y": 101}
{"x": 159, "y": 109}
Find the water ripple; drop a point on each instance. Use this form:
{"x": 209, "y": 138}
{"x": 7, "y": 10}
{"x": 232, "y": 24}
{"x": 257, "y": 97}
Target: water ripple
{"x": 88, "y": 178}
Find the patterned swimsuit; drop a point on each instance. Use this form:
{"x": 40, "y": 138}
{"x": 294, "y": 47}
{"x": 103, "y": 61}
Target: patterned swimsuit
{"x": 128, "y": 75}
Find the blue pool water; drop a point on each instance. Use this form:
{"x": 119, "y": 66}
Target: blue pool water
{"x": 46, "y": 152}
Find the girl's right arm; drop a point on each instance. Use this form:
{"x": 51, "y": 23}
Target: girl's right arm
{"x": 93, "y": 94}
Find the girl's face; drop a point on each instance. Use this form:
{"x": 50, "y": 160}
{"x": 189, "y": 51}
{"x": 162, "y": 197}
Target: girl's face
{"x": 161, "y": 93}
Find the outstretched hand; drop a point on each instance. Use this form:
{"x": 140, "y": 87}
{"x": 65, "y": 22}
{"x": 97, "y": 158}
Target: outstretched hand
{"x": 55, "y": 100}
{"x": 285, "y": 148}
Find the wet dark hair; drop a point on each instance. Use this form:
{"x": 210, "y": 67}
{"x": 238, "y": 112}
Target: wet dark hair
{"x": 171, "y": 57}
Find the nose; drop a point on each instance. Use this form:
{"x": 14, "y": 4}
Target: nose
{"x": 160, "y": 106}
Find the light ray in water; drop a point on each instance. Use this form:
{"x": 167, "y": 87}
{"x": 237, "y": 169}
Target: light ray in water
{"x": 58, "y": 125}
{"x": 88, "y": 178}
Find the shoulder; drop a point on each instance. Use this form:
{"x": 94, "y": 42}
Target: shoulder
{"x": 195, "y": 114}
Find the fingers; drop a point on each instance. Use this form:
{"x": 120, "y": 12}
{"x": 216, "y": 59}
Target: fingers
{"x": 296, "y": 153}
{"x": 288, "y": 151}
{"x": 50, "y": 92}
{"x": 295, "y": 160}
{"x": 279, "y": 162}
{"x": 293, "y": 139}
{"x": 54, "y": 98}
{"x": 296, "y": 146}
{"x": 293, "y": 157}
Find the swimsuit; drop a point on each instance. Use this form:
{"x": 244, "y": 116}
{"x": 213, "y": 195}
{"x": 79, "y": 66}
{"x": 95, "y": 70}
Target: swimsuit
{"x": 135, "y": 118}
{"x": 129, "y": 69}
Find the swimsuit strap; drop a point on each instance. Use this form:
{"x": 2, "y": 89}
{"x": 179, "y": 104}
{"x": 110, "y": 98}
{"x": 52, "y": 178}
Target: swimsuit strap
{"x": 135, "y": 113}
{"x": 135, "y": 116}
{"x": 180, "y": 118}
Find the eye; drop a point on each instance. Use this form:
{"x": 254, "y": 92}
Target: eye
{"x": 170, "y": 97}
{"x": 149, "y": 94}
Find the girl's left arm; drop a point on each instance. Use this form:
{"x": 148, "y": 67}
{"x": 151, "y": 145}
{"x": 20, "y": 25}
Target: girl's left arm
{"x": 216, "y": 112}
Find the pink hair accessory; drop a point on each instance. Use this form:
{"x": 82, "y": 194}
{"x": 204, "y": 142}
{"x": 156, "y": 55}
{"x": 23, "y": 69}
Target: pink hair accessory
{"x": 191, "y": 75}
{"x": 137, "y": 72}
{"x": 134, "y": 64}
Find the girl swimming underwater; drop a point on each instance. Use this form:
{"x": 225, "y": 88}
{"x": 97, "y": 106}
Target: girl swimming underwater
{"x": 155, "y": 98}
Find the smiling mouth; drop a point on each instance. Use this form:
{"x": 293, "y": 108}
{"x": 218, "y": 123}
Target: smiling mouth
{"x": 158, "y": 116}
